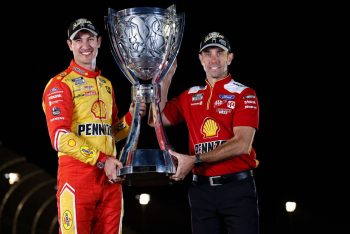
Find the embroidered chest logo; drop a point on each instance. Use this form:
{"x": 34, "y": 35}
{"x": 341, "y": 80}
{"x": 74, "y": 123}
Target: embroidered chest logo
{"x": 197, "y": 97}
{"x": 99, "y": 110}
{"x": 79, "y": 81}
{"x": 231, "y": 104}
{"x": 210, "y": 128}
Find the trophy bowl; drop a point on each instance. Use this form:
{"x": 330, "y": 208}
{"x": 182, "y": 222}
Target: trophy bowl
{"x": 145, "y": 42}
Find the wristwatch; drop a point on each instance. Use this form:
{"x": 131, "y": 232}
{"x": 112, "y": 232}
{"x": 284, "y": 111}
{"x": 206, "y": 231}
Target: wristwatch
{"x": 198, "y": 160}
{"x": 101, "y": 163}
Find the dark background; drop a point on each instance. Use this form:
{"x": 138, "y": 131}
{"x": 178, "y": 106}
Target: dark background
{"x": 285, "y": 51}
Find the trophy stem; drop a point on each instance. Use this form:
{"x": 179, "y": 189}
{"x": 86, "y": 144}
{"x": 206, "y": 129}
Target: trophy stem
{"x": 132, "y": 140}
{"x": 157, "y": 164}
{"x": 159, "y": 129}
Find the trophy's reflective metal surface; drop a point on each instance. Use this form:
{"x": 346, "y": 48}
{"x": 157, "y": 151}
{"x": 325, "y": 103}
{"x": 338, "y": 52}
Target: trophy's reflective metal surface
{"x": 145, "y": 42}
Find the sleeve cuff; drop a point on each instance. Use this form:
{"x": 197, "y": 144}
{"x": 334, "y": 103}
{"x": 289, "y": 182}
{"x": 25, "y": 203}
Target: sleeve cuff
{"x": 102, "y": 157}
{"x": 128, "y": 118}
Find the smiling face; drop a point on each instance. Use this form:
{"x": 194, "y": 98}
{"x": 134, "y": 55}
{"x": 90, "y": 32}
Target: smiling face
{"x": 215, "y": 62}
{"x": 85, "y": 47}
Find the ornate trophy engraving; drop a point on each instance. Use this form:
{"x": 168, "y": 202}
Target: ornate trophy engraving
{"x": 145, "y": 42}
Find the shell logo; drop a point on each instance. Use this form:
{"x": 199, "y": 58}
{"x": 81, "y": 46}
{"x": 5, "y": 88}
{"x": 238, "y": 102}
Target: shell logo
{"x": 210, "y": 128}
{"x": 71, "y": 142}
{"x": 99, "y": 109}
{"x": 67, "y": 220}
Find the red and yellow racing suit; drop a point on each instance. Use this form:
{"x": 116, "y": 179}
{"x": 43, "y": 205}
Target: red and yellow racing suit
{"x": 83, "y": 124}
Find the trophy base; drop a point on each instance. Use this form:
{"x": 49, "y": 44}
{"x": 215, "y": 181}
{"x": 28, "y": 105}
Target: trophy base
{"x": 149, "y": 179}
{"x": 148, "y": 167}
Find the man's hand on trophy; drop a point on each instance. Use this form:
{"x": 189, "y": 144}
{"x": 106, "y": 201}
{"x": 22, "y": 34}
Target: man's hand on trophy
{"x": 167, "y": 80}
{"x": 185, "y": 164}
{"x": 172, "y": 69}
{"x": 112, "y": 165}
{"x": 165, "y": 84}
{"x": 143, "y": 108}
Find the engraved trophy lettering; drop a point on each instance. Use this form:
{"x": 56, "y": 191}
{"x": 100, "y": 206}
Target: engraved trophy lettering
{"x": 145, "y": 42}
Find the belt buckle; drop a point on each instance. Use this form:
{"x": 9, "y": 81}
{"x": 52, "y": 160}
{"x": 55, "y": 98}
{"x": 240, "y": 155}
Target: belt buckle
{"x": 211, "y": 181}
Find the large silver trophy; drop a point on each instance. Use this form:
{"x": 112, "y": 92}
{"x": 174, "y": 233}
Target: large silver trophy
{"x": 145, "y": 42}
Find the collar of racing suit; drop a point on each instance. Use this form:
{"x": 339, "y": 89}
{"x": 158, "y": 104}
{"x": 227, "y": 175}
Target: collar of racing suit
{"x": 223, "y": 80}
{"x": 82, "y": 71}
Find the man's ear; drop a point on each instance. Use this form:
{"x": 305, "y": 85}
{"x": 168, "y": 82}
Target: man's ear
{"x": 230, "y": 58}
{"x": 200, "y": 57}
{"x": 99, "y": 40}
{"x": 69, "y": 43}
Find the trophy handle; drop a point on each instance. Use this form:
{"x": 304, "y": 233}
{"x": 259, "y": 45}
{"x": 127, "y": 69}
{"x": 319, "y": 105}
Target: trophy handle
{"x": 114, "y": 45}
{"x": 175, "y": 47}
{"x": 158, "y": 124}
{"x": 132, "y": 140}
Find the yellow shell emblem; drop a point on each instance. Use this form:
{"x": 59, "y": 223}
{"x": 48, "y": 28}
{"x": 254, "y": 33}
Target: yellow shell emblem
{"x": 210, "y": 128}
{"x": 71, "y": 142}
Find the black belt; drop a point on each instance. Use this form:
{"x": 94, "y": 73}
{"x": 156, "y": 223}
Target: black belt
{"x": 223, "y": 179}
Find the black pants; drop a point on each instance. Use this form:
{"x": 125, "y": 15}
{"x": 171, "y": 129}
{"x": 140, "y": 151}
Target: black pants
{"x": 228, "y": 208}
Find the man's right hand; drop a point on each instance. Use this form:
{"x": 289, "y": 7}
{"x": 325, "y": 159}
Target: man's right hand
{"x": 112, "y": 165}
{"x": 164, "y": 88}
{"x": 143, "y": 108}
{"x": 169, "y": 76}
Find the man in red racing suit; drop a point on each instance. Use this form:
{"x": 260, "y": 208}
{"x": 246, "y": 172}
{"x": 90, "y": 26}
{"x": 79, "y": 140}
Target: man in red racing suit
{"x": 221, "y": 119}
{"x": 83, "y": 125}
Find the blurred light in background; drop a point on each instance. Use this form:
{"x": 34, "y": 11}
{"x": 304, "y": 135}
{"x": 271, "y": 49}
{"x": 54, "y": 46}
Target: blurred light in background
{"x": 12, "y": 177}
{"x": 291, "y": 206}
{"x": 144, "y": 198}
